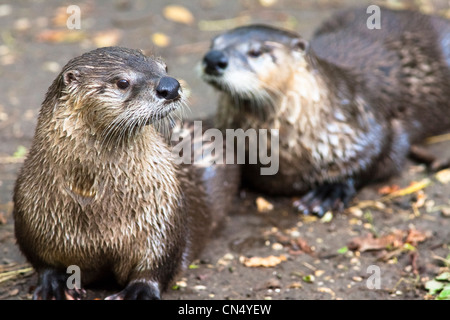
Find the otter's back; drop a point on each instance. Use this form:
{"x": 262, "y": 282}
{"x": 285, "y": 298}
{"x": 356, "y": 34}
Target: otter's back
{"x": 404, "y": 67}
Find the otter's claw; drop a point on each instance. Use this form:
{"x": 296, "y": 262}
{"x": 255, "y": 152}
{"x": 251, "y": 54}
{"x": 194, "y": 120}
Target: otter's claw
{"x": 137, "y": 291}
{"x": 53, "y": 286}
{"x": 328, "y": 197}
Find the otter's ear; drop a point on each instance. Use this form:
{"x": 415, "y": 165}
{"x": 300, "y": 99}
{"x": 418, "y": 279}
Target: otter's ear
{"x": 71, "y": 77}
{"x": 299, "y": 44}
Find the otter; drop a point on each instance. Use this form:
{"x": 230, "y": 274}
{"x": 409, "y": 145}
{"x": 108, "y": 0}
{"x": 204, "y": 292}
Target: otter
{"x": 348, "y": 104}
{"x": 100, "y": 189}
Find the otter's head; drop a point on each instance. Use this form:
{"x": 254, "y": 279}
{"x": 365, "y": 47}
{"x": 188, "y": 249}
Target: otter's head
{"x": 253, "y": 62}
{"x": 114, "y": 91}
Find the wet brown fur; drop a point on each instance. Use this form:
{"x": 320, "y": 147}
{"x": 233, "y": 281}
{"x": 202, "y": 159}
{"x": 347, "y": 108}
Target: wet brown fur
{"x": 360, "y": 97}
{"x": 111, "y": 202}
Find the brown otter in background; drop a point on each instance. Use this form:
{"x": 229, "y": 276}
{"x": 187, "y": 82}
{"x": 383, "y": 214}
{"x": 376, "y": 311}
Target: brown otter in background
{"x": 348, "y": 104}
{"x": 99, "y": 188}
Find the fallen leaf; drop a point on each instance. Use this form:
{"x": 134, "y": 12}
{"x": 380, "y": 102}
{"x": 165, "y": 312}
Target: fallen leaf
{"x": 267, "y": 3}
{"x": 421, "y": 197}
{"x": 263, "y": 205}
{"x": 413, "y": 187}
{"x": 433, "y": 286}
{"x": 309, "y": 278}
{"x": 397, "y": 239}
{"x": 369, "y": 242}
{"x": 319, "y": 273}
{"x": 178, "y": 14}
{"x": 58, "y": 36}
{"x": 266, "y": 262}
{"x": 295, "y": 285}
{"x": 416, "y": 236}
{"x": 327, "y": 290}
{"x": 60, "y": 17}
{"x": 303, "y": 245}
{"x": 327, "y": 217}
{"x": 13, "y": 292}
{"x": 445, "y": 212}
{"x": 443, "y": 176}
{"x": 388, "y": 189}
{"x": 160, "y": 39}
{"x": 20, "y": 152}
{"x": 107, "y": 38}
{"x": 342, "y": 250}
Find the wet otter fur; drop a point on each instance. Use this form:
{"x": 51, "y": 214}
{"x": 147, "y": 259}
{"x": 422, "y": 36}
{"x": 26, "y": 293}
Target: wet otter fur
{"x": 99, "y": 188}
{"x": 348, "y": 104}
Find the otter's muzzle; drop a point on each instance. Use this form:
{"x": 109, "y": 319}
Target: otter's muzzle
{"x": 168, "y": 88}
{"x": 215, "y": 62}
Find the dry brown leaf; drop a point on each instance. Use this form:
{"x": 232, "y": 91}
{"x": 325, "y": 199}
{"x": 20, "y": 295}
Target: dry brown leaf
{"x": 327, "y": 290}
{"x": 295, "y": 285}
{"x": 303, "y": 245}
{"x": 267, "y": 3}
{"x": 266, "y": 262}
{"x": 421, "y": 197}
{"x": 60, "y": 17}
{"x": 388, "y": 189}
{"x": 107, "y": 38}
{"x": 160, "y": 39}
{"x": 413, "y": 187}
{"x": 396, "y": 239}
{"x": 415, "y": 236}
{"x": 178, "y": 14}
{"x": 443, "y": 176}
{"x": 263, "y": 205}
{"x": 369, "y": 242}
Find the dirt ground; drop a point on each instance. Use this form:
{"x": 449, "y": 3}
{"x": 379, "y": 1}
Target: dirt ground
{"x": 311, "y": 257}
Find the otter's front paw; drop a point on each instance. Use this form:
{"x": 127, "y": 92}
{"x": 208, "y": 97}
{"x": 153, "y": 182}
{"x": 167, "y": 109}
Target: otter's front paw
{"x": 53, "y": 286}
{"x": 328, "y": 197}
{"x": 137, "y": 290}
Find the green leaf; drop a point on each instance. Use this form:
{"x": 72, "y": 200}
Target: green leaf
{"x": 20, "y": 152}
{"x": 327, "y": 217}
{"x": 445, "y": 293}
{"x": 409, "y": 247}
{"x": 342, "y": 250}
{"x": 194, "y": 266}
{"x": 445, "y": 276}
{"x": 434, "y": 286}
{"x": 309, "y": 278}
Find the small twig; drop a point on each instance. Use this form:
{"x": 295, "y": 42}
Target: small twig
{"x": 10, "y": 160}
{"x": 379, "y": 204}
{"x": 9, "y": 275}
{"x": 437, "y": 139}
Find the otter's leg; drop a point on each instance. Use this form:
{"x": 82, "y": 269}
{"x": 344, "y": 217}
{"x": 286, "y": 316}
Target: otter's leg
{"x": 138, "y": 290}
{"x": 53, "y": 286}
{"x": 327, "y": 197}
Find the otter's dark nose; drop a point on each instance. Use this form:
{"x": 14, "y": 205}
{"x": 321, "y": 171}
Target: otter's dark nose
{"x": 215, "y": 62}
{"x": 168, "y": 88}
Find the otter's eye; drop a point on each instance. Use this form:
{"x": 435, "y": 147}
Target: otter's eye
{"x": 123, "y": 84}
{"x": 255, "y": 53}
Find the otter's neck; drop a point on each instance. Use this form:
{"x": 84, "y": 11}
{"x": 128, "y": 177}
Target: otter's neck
{"x": 315, "y": 90}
